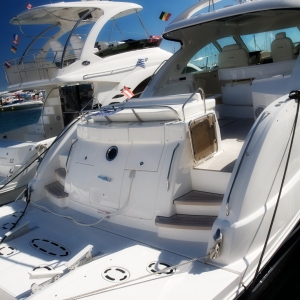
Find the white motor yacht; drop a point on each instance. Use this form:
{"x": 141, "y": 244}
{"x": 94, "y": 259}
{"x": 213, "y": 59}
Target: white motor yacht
{"x": 188, "y": 192}
{"x": 85, "y": 54}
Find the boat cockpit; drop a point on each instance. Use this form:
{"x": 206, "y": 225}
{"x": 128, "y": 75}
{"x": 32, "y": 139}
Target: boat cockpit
{"x": 238, "y": 59}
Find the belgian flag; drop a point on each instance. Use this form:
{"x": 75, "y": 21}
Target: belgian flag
{"x": 164, "y": 16}
{"x": 13, "y": 49}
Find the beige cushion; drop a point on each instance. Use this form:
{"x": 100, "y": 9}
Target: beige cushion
{"x": 233, "y": 56}
{"x": 282, "y": 48}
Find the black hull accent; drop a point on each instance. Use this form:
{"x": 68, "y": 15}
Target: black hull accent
{"x": 270, "y": 283}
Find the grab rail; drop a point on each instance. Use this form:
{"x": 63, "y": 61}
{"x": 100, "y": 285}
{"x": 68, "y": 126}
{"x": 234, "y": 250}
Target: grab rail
{"x": 133, "y": 107}
{"x": 108, "y": 72}
{"x": 190, "y": 98}
{"x": 71, "y": 148}
{"x": 167, "y": 182}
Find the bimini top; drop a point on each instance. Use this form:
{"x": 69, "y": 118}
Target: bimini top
{"x": 233, "y": 14}
{"x": 72, "y": 11}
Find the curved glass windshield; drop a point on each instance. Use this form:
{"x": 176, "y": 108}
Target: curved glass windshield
{"x": 262, "y": 41}
{"x": 123, "y": 35}
{"x": 205, "y": 59}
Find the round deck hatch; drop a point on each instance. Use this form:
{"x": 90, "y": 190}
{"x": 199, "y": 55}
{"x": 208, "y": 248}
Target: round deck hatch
{"x": 115, "y": 274}
{"x": 6, "y": 251}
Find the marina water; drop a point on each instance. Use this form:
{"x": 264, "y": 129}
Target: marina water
{"x": 10, "y": 120}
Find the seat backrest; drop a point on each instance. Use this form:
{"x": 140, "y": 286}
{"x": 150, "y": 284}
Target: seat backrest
{"x": 57, "y": 48}
{"x": 282, "y": 48}
{"x": 77, "y": 44}
{"x": 233, "y": 56}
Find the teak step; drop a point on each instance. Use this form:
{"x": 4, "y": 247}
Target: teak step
{"x": 56, "y": 190}
{"x": 200, "y": 198}
{"x": 186, "y": 222}
{"x": 199, "y": 203}
{"x": 61, "y": 172}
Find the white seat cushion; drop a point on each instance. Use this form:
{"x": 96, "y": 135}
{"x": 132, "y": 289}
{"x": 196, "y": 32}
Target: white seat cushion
{"x": 233, "y": 56}
{"x": 282, "y": 48}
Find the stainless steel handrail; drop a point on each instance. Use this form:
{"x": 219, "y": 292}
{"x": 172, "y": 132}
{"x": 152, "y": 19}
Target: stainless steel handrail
{"x": 36, "y": 38}
{"x": 86, "y": 76}
{"x": 71, "y": 148}
{"x": 135, "y": 107}
{"x": 167, "y": 182}
{"x": 92, "y": 99}
{"x": 190, "y": 98}
{"x": 22, "y": 68}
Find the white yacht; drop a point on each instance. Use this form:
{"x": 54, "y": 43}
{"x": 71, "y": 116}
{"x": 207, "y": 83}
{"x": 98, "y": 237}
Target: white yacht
{"x": 85, "y": 54}
{"x": 189, "y": 191}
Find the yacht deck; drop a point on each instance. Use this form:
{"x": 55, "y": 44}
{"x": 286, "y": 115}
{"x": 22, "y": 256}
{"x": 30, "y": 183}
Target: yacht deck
{"x": 233, "y": 134}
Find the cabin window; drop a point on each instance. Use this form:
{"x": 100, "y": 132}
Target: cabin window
{"x": 205, "y": 59}
{"x": 226, "y": 41}
{"x": 262, "y": 40}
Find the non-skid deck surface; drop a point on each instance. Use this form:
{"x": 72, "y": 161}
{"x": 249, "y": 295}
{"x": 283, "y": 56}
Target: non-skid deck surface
{"x": 186, "y": 222}
{"x": 233, "y": 134}
{"x": 61, "y": 172}
{"x": 56, "y": 190}
{"x": 200, "y": 198}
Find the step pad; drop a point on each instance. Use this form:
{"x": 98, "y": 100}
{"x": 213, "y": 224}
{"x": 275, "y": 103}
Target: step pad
{"x": 200, "y": 198}
{"x": 186, "y": 222}
{"x": 56, "y": 190}
{"x": 61, "y": 172}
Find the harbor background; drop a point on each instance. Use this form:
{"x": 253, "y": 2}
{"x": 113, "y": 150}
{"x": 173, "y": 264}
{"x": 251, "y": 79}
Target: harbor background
{"x": 149, "y": 15}
{"x": 10, "y": 120}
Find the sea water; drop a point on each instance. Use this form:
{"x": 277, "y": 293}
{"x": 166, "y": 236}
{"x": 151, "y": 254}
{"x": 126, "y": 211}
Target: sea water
{"x": 10, "y": 120}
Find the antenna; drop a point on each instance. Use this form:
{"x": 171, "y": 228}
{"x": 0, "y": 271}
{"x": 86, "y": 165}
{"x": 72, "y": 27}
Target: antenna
{"x": 213, "y": 5}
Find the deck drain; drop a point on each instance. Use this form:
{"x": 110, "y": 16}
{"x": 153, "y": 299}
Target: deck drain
{"x": 49, "y": 247}
{"x": 6, "y": 251}
{"x": 8, "y": 226}
{"x": 115, "y": 274}
{"x": 158, "y": 266}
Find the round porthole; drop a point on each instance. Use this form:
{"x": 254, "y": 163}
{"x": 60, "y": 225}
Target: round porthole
{"x": 111, "y": 153}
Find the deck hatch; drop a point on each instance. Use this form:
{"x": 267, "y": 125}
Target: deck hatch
{"x": 203, "y": 137}
{"x": 7, "y": 251}
{"x": 115, "y": 274}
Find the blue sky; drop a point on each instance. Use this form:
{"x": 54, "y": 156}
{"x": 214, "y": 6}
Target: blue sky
{"x": 149, "y": 15}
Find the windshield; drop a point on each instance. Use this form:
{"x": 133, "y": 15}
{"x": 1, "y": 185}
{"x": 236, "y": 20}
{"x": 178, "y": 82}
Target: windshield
{"x": 124, "y": 35}
{"x": 262, "y": 41}
{"x": 257, "y": 44}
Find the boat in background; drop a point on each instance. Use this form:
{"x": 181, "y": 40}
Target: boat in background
{"x": 189, "y": 191}
{"x": 82, "y": 59}
{"x": 20, "y": 100}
